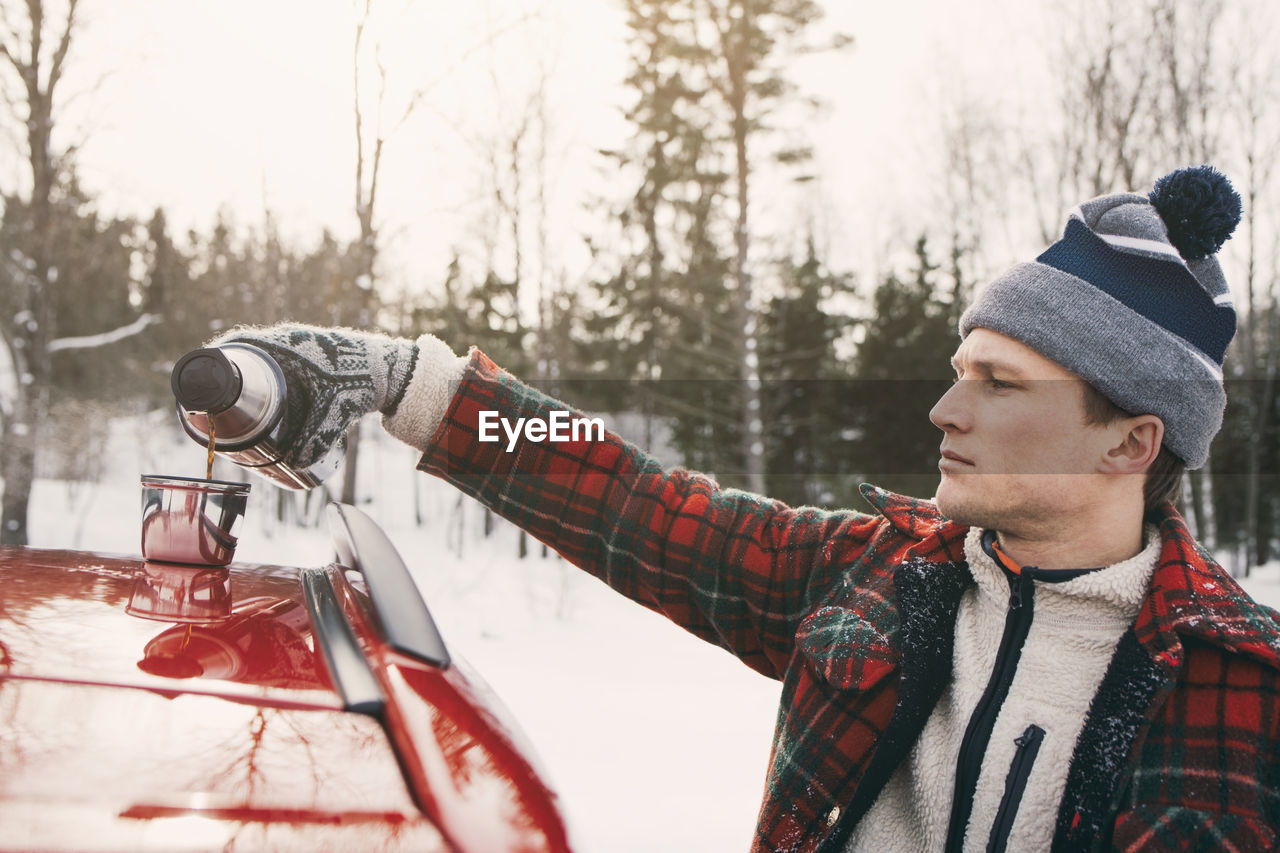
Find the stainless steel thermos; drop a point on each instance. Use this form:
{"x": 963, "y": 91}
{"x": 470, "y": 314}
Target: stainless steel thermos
{"x": 238, "y": 392}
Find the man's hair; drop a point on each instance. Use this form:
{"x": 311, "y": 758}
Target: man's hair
{"x": 1164, "y": 477}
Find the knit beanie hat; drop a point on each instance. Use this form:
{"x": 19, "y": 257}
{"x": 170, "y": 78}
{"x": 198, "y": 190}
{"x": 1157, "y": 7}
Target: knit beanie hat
{"x": 1132, "y": 300}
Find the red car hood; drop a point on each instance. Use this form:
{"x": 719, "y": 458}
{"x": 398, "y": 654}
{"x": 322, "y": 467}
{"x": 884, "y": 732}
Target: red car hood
{"x": 152, "y": 707}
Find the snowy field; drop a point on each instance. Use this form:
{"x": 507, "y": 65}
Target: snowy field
{"x": 655, "y": 740}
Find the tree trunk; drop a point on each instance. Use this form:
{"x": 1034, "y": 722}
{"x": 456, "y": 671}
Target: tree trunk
{"x": 32, "y": 367}
{"x": 749, "y": 363}
{"x": 33, "y": 372}
{"x": 1251, "y": 497}
{"x": 17, "y": 467}
{"x": 1203, "y": 526}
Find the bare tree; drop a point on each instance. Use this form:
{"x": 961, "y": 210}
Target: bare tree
{"x": 372, "y": 135}
{"x": 1255, "y": 82}
{"x": 971, "y": 190}
{"x": 34, "y": 48}
{"x": 1182, "y": 104}
{"x": 368, "y": 166}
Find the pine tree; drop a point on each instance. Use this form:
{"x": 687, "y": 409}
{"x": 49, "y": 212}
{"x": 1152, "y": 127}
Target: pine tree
{"x": 902, "y": 369}
{"x": 804, "y": 385}
{"x": 706, "y": 79}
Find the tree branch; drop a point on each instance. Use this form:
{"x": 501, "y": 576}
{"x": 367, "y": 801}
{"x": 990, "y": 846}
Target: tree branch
{"x": 104, "y": 338}
{"x": 355, "y": 71}
{"x": 35, "y": 11}
{"x": 91, "y": 93}
{"x": 64, "y": 44}
{"x": 378, "y": 140}
{"x": 17, "y": 65}
{"x": 424, "y": 90}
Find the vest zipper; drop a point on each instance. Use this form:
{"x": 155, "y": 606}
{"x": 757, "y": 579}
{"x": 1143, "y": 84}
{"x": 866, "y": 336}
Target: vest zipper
{"x": 1014, "y": 785}
{"x": 977, "y": 735}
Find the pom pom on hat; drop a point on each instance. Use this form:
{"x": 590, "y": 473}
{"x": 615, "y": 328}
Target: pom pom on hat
{"x": 1199, "y": 207}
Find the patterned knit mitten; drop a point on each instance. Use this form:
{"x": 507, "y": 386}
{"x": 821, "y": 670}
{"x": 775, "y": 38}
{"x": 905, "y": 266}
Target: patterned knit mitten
{"x": 334, "y": 376}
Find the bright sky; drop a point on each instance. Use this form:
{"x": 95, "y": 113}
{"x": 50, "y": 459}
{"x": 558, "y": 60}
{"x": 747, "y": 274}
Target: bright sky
{"x": 246, "y": 104}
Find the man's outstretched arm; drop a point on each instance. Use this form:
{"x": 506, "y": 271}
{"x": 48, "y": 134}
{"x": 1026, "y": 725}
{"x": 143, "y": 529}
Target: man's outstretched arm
{"x": 736, "y": 569}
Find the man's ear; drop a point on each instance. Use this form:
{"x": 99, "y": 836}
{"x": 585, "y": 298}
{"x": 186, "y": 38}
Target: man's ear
{"x": 1136, "y": 444}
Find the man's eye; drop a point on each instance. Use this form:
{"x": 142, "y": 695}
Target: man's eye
{"x": 998, "y": 385}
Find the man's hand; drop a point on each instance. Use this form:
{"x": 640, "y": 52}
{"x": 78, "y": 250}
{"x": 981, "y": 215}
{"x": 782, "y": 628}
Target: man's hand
{"x": 334, "y": 377}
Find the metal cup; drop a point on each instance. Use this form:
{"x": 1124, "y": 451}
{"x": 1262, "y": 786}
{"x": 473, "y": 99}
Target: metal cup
{"x": 191, "y": 521}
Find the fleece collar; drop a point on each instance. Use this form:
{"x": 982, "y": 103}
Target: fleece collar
{"x": 1190, "y": 595}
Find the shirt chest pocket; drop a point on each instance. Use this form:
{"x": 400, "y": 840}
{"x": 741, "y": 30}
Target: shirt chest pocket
{"x": 846, "y": 650}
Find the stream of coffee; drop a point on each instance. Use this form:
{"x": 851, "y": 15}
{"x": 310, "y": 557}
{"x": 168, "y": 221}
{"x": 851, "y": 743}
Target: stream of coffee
{"x": 208, "y": 468}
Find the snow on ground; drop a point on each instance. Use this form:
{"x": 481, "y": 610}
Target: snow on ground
{"x": 655, "y": 740}
{"x": 1263, "y": 584}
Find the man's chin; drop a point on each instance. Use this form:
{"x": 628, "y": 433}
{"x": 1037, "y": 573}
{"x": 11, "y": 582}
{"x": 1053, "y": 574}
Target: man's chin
{"x": 961, "y": 508}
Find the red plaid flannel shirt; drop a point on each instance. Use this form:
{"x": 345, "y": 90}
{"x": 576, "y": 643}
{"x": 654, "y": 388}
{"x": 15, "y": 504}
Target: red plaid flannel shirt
{"x": 855, "y": 614}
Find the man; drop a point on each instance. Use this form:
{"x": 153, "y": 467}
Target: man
{"x": 1043, "y": 658}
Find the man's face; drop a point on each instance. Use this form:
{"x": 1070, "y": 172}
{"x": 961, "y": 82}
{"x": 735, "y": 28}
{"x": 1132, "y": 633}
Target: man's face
{"x": 1016, "y": 452}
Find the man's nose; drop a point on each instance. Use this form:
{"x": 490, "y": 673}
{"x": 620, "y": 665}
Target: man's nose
{"x": 950, "y": 412}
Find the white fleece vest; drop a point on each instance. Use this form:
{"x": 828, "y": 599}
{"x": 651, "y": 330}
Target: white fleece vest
{"x": 1075, "y": 627}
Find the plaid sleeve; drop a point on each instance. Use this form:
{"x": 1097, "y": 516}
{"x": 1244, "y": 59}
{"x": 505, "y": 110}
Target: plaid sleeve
{"x": 733, "y": 568}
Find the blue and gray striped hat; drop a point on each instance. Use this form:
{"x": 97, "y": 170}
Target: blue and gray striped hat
{"x": 1132, "y": 300}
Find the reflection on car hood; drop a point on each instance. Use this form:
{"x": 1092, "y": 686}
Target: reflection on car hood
{"x": 241, "y": 632}
{"x": 133, "y": 770}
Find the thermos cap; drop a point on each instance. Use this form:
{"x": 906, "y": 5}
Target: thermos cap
{"x": 205, "y": 380}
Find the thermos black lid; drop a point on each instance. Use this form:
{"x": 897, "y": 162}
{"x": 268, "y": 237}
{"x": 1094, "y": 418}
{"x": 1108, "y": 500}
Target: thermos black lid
{"x": 205, "y": 380}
